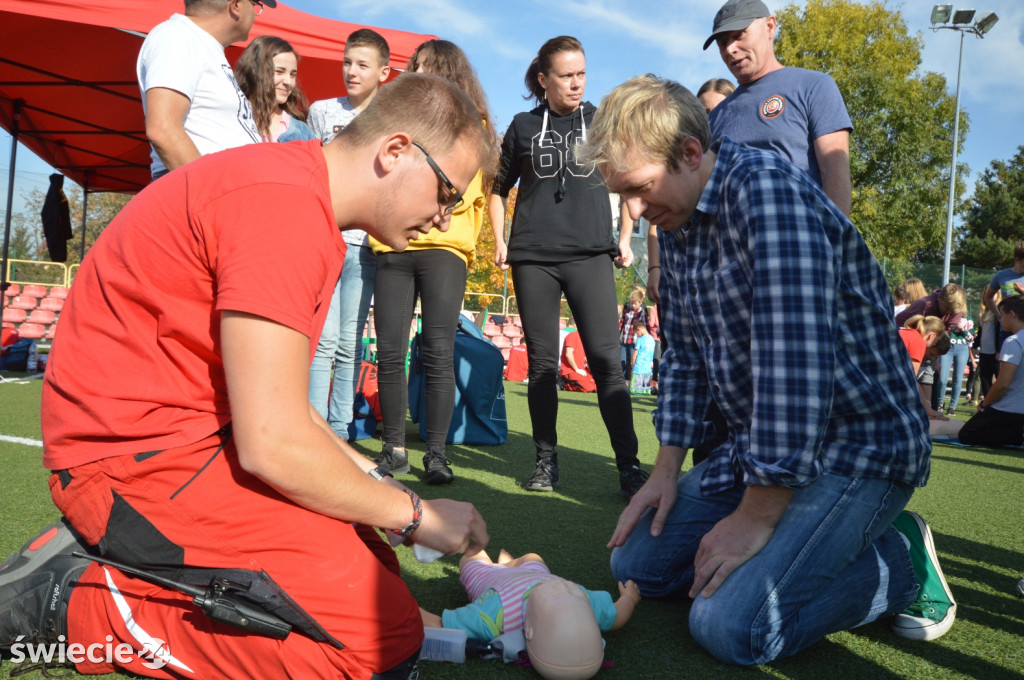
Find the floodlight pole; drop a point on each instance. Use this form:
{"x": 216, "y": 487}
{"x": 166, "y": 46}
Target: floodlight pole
{"x": 952, "y": 168}
{"x": 940, "y": 15}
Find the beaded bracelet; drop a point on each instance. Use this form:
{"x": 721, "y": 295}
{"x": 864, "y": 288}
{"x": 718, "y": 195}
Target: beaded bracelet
{"x": 417, "y": 515}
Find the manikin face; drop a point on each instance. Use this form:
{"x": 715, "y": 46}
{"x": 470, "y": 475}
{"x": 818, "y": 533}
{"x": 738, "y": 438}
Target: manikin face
{"x": 286, "y": 70}
{"x": 363, "y": 71}
{"x": 748, "y": 53}
{"x": 653, "y": 190}
{"x": 565, "y": 81}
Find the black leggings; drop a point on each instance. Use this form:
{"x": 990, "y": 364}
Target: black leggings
{"x": 589, "y": 289}
{"x": 438, "y": 277}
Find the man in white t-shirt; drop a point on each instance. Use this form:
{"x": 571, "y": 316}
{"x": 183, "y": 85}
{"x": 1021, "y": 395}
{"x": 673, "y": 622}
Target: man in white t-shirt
{"x": 192, "y": 103}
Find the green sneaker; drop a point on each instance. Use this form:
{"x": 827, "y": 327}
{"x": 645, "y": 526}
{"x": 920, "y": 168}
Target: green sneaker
{"x": 932, "y": 615}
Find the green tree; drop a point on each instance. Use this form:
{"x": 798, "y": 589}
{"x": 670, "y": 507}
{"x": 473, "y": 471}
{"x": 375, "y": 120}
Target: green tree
{"x": 994, "y": 215}
{"x": 25, "y": 240}
{"x": 903, "y": 119}
{"x": 102, "y": 209}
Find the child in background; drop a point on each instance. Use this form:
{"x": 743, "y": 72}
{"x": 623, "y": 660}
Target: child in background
{"x": 1000, "y": 417}
{"x": 925, "y": 337}
{"x": 632, "y": 312}
{"x": 642, "y": 361}
{"x": 267, "y": 72}
{"x": 988, "y": 348}
{"x": 341, "y": 343}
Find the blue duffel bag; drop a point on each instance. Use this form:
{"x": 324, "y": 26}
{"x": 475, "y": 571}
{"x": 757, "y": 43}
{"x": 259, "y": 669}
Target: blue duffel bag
{"x": 479, "y": 414}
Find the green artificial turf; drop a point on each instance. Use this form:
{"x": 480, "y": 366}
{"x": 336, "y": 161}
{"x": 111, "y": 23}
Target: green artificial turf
{"x": 973, "y": 502}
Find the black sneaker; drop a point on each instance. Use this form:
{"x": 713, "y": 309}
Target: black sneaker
{"x": 435, "y": 464}
{"x": 545, "y": 473}
{"x": 630, "y": 481}
{"x": 395, "y": 461}
{"x": 36, "y": 584}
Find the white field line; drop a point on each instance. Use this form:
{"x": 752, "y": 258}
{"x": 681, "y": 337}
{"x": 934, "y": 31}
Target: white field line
{"x": 20, "y": 440}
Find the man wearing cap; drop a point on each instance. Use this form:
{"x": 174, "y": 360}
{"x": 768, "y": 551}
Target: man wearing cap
{"x": 192, "y": 103}
{"x": 794, "y": 112}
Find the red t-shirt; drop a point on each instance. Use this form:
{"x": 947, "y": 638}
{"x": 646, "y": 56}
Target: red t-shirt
{"x": 573, "y": 341}
{"x": 915, "y": 344}
{"x": 137, "y": 364}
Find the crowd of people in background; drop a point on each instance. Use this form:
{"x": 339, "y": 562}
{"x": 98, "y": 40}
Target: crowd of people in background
{"x": 748, "y": 191}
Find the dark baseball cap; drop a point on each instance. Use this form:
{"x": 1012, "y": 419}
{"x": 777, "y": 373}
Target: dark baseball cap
{"x": 736, "y": 15}
{"x": 269, "y": 3}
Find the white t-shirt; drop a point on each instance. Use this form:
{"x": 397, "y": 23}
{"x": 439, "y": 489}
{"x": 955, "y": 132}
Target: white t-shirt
{"x": 1013, "y": 352}
{"x": 180, "y": 56}
{"x": 328, "y": 117}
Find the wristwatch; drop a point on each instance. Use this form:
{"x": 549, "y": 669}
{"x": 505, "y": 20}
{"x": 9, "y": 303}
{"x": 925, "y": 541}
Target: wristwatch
{"x": 379, "y": 473}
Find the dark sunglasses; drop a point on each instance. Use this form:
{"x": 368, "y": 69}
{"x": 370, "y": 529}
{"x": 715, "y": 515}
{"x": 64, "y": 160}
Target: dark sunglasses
{"x": 453, "y": 198}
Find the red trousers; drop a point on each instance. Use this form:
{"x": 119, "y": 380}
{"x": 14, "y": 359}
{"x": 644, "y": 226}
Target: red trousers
{"x": 198, "y": 501}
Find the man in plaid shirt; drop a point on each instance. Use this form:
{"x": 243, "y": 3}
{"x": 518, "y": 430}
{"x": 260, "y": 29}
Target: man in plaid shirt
{"x": 775, "y": 310}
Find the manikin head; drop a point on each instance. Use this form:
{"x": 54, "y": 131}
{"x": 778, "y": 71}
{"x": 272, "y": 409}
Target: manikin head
{"x": 562, "y": 636}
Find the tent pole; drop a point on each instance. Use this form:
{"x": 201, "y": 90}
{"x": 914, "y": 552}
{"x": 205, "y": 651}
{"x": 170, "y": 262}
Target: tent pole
{"x": 16, "y": 119}
{"x": 85, "y": 206}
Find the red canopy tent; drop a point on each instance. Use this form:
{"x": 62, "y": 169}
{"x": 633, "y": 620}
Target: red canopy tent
{"x": 68, "y": 68}
{"x": 68, "y": 89}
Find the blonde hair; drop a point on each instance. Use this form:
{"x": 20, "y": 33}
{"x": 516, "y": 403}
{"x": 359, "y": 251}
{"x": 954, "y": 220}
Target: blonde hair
{"x": 914, "y": 289}
{"x": 649, "y": 116}
{"x": 952, "y": 299}
{"x": 637, "y": 294}
{"x": 930, "y": 324}
{"x": 722, "y": 86}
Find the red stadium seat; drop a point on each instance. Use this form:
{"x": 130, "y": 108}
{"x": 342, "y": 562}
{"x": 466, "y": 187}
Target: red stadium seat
{"x": 54, "y": 304}
{"x": 34, "y": 290}
{"x": 517, "y": 320}
{"x": 58, "y": 292}
{"x": 43, "y": 317}
{"x": 501, "y": 341}
{"x": 32, "y": 331}
{"x": 491, "y": 330}
{"x": 12, "y": 290}
{"x": 505, "y": 352}
{"x": 511, "y": 331}
{"x": 24, "y": 302}
{"x": 13, "y": 315}
{"x": 51, "y": 331}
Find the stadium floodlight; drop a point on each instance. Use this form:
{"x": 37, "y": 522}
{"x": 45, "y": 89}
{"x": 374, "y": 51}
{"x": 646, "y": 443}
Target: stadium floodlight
{"x": 941, "y": 13}
{"x": 963, "y": 17}
{"x": 986, "y": 22}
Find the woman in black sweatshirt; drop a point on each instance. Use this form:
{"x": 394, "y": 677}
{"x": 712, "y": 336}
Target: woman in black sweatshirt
{"x": 561, "y": 242}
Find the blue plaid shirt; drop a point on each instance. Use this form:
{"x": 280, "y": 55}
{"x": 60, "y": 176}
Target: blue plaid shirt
{"x": 775, "y": 308}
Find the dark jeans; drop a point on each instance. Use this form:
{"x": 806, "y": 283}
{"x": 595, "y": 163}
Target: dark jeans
{"x": 988, "y": 366}
{"x": 993, "y": 427}
{"x": 438, "y": 277}
{"x": 589, "y": 288}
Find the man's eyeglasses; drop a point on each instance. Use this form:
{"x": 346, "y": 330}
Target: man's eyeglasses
{"x": 257, "y": 6}
{"x": 453, "y": 198}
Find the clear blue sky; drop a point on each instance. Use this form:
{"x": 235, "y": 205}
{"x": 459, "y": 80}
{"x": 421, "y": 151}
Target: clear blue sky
{"x": 623, "y": 38}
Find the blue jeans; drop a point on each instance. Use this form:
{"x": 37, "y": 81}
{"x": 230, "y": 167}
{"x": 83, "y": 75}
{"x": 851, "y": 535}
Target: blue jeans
{"x": 833, "y": 563}
{"x": 956, "y": 357}
{"x": 341, "y": 343}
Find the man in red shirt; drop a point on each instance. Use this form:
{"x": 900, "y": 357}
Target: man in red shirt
{"x": 177, "y": 425}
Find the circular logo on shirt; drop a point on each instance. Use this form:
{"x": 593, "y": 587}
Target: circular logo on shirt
{"x": 773, "y": 107}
